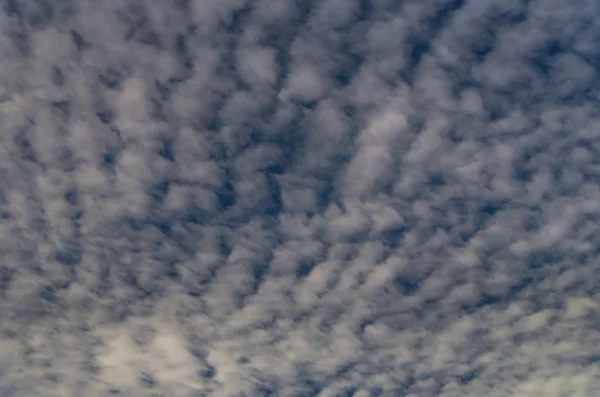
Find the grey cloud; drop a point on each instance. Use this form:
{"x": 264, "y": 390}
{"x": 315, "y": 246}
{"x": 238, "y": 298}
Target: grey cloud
{"x": 359, "y": 198}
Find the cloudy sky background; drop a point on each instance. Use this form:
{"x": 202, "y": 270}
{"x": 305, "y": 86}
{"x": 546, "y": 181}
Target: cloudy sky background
{"x": 299, "y": 198}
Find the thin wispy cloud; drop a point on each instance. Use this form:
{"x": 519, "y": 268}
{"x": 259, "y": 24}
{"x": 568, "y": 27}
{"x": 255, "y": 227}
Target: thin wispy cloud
{"x": 299, "y": 198}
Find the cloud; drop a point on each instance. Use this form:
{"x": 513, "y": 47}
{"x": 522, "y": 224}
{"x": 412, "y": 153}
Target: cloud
{"x": 357, "y": 198}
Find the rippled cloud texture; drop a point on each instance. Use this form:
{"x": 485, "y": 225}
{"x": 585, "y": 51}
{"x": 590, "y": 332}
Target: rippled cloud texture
{"x": 300, "y": 198}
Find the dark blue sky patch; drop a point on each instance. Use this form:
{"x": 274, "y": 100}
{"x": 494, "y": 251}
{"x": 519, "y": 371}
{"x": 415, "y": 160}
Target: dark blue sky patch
{"x": 63, "y": 108}
{"x": 166, "y": 149}
{"x": 489, "y": 209}
{"x": 487, "y": 300}
{"x": 541, "y": 259}
{"x": 57, "y": 76}
{"x": 180, "y": 46}
{"x": 304, "y": 268}
{"x": 48, "y": 293}
{"x": 148, "y": 381}
{"x": 105, "y": 115}
{"x": 484, "y": 44}
{"x": 150, "y": 38}
{"x": 418, "y": 43}
{"x": 365, "y": 10}
{"x": 347, "y": 68}
{"x": 78, "y": 41}
{"x": 304, "y": 9}
{"x": 235, "y": 22}
{"x": 485, "y": 212}
{"x": 392, "y": 237}
{"x": 163, "y": 90}
{"x": 406, "y": 286}
{"x": 6, "y": 278}
{"x": 416, "y": 48}
{"x": 108, "y": 159}
{"x": 21, "y": 41}
{"x": 182, "y": 52}
{"x": 468, "y": 377}
{"x": 265, "y": 389}
{"x": 259, "y": 272}
{"x": 226, "y": 193}
{"x": 12, "y": 8}
{"x": 38, "y": 13}
{"x": 274, "y": 206}
{"x": 510, "y": 17}
{"x": 70, "y": 256}
{"x": 27, "y": 151}
{"x": 195, "y": 215}
{"x": 524, "y": 170}
{"x": 208, "y": 373}
{"x": 444, "y": 14}
{"x": 208, "y": 119}
{"x": 543, "y": 57}
{"x": 111, "y": 78}
{"x": 72, "y": 197}
{"x": 158, "y": 111}
{"x": 53, "y": 377}
{"x": 306, "y": 384}
{"x": 139, "y": 26}
{"x": 436, "y": 180}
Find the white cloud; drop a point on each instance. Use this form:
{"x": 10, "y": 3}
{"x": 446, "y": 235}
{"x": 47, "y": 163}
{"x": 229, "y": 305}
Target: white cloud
{"x": 234, "y": 198}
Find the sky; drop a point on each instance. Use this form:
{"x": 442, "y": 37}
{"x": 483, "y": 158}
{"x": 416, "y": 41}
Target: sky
{"x": 299, "y": 198}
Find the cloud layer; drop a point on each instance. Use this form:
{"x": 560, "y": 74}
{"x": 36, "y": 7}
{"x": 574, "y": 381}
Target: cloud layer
{"x": 298, "y": 198}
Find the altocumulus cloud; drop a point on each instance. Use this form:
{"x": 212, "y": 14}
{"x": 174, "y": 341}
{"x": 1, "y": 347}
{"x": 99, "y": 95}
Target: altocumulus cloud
{"x": 299, "y": 198}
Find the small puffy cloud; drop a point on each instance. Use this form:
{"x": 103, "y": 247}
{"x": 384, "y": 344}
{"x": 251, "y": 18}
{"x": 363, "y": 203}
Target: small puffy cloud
{"x": 359, "y": 198}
